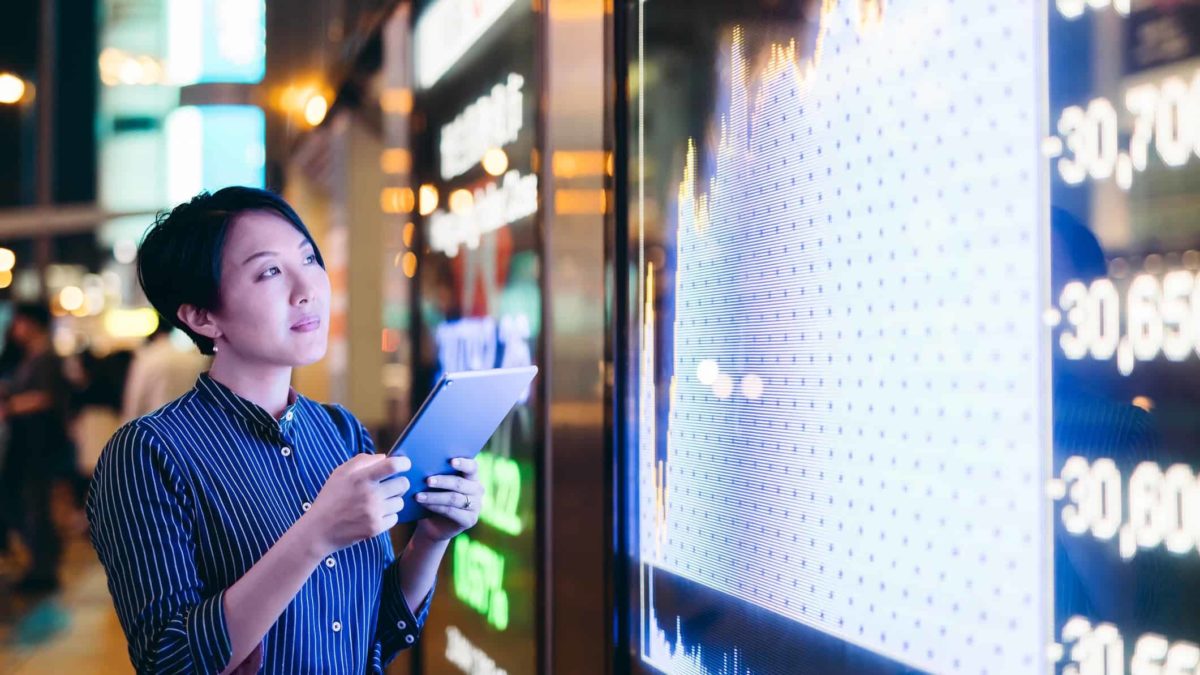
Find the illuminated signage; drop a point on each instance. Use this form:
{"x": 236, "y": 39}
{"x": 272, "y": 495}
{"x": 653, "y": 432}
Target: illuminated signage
{"x": 477, "y": 282}
{"x": 494, "y": 206}
{"x": 479, "y": 579}
{"x": 915, "y": 385}
{"x": 493, "y": 121}
{"x": 210, "y": 147}
{"x": 839, "y": 323}
{"x": 1149, "y": 317}
{"x": 479, "y": 344}
{"x": 1122, "y": 152}
{"x": 467, "y": 656}
{"x": 1154, "y": 507}
{"x": 447, "y": 29}
{"x": 789, "y": 282}
{"x": 1090, "y": 144}
{"x": 1073, "y": 9}
{"x": 216, "y": 41}
{"x": 501, "y": 480}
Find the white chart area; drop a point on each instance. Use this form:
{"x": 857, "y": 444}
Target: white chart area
{"x": 856, "y": 434}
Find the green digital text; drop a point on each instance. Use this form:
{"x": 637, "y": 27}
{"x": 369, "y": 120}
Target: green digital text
{"x": 501, "y": 479}
{"x": 479, "y": 580}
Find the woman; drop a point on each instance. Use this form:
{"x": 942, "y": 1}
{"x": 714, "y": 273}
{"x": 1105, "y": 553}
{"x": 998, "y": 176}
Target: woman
{"x": 243, "y": 526}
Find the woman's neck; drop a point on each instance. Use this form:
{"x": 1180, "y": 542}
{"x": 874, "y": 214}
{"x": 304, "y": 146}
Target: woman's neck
{"x": 268, "y": 386}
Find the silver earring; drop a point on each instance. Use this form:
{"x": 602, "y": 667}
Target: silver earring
{"x": 214, "y": 349}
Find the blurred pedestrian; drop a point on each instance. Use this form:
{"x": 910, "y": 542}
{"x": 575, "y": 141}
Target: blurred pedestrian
{"x": 160, "y": 373}
{"x": 36, "y": 412}
{"x": 96, "y": 411}
{"x": 10, "y": 358}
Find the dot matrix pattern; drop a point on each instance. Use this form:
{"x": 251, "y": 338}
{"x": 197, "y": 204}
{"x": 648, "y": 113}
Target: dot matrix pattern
{"x": 859, "y": 257}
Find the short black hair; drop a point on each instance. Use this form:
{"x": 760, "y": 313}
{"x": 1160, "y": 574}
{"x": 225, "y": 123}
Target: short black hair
{"x": 35, "y": 312}
{"x": 179, "y": 259}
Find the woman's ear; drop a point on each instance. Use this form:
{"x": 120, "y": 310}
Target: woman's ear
{"x": 199, "y": 320}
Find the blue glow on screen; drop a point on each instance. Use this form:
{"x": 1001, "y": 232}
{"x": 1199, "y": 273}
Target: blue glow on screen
{"x": 210, "y": 147}
{"x": 235, "y": 41}
{"x": 233, "y": 150}
{"x": 216, "y": 41}
{"x": 847, "y": 428}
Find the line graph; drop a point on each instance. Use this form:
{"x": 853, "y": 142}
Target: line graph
{"x": 854, "y": 434}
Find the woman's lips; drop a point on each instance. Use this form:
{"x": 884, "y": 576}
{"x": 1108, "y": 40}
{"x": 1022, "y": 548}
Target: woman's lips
{"x": 307, "y": 325}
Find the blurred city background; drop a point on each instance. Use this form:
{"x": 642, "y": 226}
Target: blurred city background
{"x": 113, "y": 110}
{"x": 868, "y": 330}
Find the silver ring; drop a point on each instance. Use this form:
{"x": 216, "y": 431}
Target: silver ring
{"x": 468, "y": 502}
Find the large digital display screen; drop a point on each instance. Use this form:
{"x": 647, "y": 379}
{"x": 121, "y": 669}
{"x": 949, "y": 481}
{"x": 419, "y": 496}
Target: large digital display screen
{"x": 914, "y": 337}
{"x": 479, "y": 306}
{"x": 211, "y": 146}
{"x": 216, "y": 41}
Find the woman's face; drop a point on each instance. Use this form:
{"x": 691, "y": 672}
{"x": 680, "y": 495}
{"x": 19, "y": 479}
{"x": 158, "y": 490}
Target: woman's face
{"x": 274, "y": 295}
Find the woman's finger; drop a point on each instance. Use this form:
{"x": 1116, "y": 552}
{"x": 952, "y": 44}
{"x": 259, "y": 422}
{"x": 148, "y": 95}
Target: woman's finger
{"x": 456, "y": 484}
{"x": 380, "y": 468}
{"x": 456, "y": 499}
{"x": 389, "y": 521}
{"x": 394, "y": 504}
{"x": 393, "y": 487}
{"x": 468, "y": 467}
{"x": 461, "y": 517}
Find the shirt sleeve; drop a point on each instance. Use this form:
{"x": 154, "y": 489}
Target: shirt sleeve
{"x": 141, "y": 523}
{"x": 399, "y": 626}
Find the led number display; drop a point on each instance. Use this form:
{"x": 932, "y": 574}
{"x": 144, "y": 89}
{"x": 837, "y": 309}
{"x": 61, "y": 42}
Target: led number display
{"x": 1123, "y": 95}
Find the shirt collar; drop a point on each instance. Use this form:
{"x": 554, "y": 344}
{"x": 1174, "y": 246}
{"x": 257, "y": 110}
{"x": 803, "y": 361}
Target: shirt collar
{"x": 247, "y": 410}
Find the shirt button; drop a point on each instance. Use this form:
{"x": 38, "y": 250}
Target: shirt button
{"x": 337, "y": 626}
{"x": 401, "y": 625}
{"x": 288, "y": 416}
{"x": 286, "y": 451}
{"x": 330, "y": 562}
{"x": 409, "y": 639}
{"x": 306, "y": 505}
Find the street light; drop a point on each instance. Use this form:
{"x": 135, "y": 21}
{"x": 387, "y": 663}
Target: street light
{"x": 314, "y": 109}
{"x": 495, "y": 161}
{"x": 12, "y": 88}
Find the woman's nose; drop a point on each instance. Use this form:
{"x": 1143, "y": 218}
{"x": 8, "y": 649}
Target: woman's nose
{"x": 302, "y": 292}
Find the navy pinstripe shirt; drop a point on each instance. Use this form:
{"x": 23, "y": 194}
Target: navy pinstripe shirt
{"x": 185, "y": 500}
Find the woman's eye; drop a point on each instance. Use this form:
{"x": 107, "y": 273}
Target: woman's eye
{"x": 270, "y": 272}
{"x": 310, "y": 259}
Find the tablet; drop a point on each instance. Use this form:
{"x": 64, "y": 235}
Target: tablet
{"x": 456, "y": 420}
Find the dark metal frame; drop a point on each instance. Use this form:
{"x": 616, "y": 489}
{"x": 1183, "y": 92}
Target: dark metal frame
{"x": 619, "y": 393}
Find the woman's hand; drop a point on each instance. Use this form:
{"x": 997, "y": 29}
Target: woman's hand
{"x": 357, "y": 502}
{"x": 455, "y": 504}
